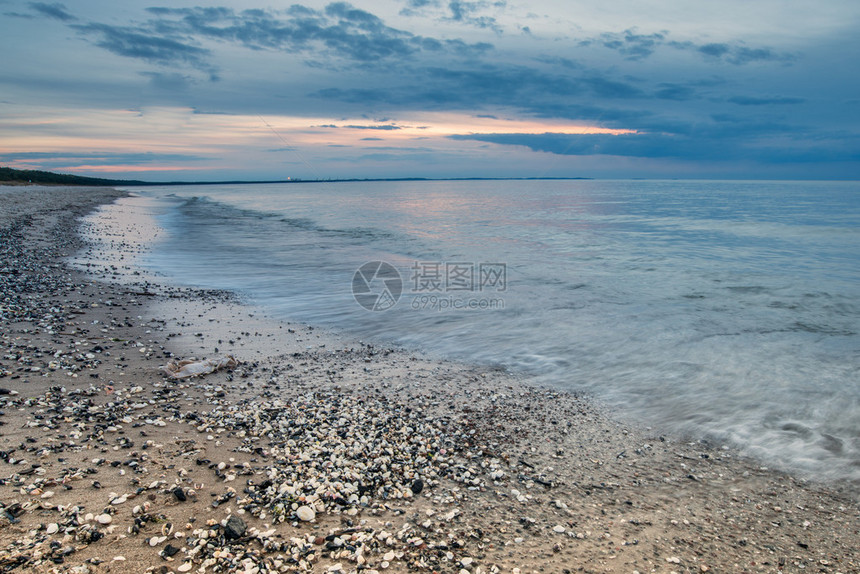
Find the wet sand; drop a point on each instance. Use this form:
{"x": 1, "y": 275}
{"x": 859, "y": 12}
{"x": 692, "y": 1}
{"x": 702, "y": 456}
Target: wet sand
{"x": 321, "y": 453}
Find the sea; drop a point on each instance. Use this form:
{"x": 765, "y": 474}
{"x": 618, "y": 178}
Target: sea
{"x": 723, "y": 311}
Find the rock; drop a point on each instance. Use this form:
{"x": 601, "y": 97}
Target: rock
{"x": 185, "y": 567}
{"x": 53, "y": 528}
{"x": 169, "y": 550}
{"x": 104, "y": 519}
{"x": 179, "y": 493}
{"x": 235, "y": 528}
{"x": 306, "y": 513}
{"x": 417, "y": 486}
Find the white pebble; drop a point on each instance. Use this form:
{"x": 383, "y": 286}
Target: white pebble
{"x": 104, "y": 519}
{"x": 306, "y": 513}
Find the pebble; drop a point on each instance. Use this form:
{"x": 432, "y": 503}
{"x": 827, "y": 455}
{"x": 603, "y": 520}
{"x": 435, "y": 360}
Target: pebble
{"x": 104, "y": 519}
{"x": 235, "y": 528}
{"x": 306, "y": 513}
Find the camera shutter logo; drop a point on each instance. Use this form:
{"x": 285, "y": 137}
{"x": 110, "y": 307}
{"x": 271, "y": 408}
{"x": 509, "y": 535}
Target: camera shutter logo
{"x": 377, "y": 286}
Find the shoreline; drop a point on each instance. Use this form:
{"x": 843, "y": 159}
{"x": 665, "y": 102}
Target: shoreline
{"x": 437, "y": 467}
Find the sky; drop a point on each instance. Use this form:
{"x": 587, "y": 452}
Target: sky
{"x": 726, "y": 89}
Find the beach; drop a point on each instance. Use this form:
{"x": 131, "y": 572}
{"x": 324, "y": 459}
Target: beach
{"x": 316, "y": 452}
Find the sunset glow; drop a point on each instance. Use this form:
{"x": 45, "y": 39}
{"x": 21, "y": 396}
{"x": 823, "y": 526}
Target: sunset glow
{"x": 403, "y": 88}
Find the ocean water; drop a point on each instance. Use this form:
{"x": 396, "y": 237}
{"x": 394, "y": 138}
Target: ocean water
{"x": 727, "y": 311}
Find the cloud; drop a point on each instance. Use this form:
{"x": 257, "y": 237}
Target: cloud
{"x": 386, "y": 127}
{"x": 174, "y": 36}
{"x": 465, "y": 12}
{"x": 134, "y": 43}
{"x": 634, "y": 46}
{"x": 709, "y": 144}
{"x": 535, "y": 91}
{"x": 737, "y": 54}
{"x": 676, "y": 92}
{"x": 603, "y": 87}
{"x": 754, "y": 101}
{"x": 345, "y": 31}
{"x": 57, "y": 11}
{"x": 51, "y": 160}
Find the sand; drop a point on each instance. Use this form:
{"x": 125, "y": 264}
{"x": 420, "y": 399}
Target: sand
{"x": 405, "y": 463}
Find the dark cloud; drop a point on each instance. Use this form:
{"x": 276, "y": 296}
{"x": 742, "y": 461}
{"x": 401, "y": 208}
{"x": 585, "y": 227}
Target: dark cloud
{"x": 386, "y": 127}
{"x": 527, "y": 88}
{"x": 713, "y": 50}
{"x": 676, "y": 92}
{"x": 173, "y": 36}
{"x": 419, "y": 7}
{"x": 560, "y": 61}
{"x": 636, "y": 46}
{"x": 756, "y": 101}
{"x": 603, "y": 87}
{"x": 708, "y": 144}
{"x": 56, "y": 10}
{"x": 156, "y": 49}
{"x": 466, "y": 12}
{"x": 345, "y": 31}
{"x": 632, "y": 45}
{"x": 49, "y": 160}
{"x": 634, "y": 145}
{"x": 736, "y": 54}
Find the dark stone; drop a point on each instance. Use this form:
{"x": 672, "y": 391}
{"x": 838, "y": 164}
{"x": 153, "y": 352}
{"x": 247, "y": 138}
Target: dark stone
{"x": 179, "y": 493}
{"x": 417, "y": 486}
{"x": 235, "y": 528}
{"x": 169, "y": 550}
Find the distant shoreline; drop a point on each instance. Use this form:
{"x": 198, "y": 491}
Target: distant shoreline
{"x": 9, "y": 176}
